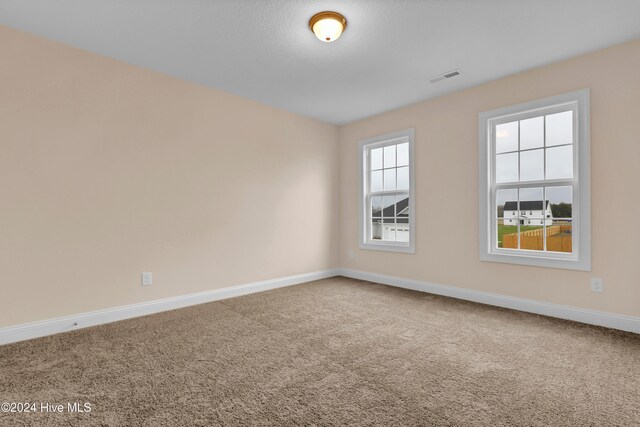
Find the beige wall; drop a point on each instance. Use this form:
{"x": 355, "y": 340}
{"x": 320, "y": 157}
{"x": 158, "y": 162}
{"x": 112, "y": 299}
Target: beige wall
{"x": 446, "y": 140}
{"x": 108, "y": 170}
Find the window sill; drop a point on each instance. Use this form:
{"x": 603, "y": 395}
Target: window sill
{"x": 567, "y": 262}
{"x": 389, "y": 247}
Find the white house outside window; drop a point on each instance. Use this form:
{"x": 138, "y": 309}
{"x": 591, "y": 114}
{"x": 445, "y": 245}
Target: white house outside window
{"x": 386, "y": 193}
{"x": 534, "y": 183}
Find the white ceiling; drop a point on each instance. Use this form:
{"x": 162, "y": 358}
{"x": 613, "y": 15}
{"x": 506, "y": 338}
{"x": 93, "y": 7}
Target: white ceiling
{"x": 263, "y": 49}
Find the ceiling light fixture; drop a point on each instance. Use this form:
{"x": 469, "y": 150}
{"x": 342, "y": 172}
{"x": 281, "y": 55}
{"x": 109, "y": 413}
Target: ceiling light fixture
{"x": 327, "y": 26}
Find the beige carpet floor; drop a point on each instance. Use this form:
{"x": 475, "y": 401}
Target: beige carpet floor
{"x": 332, "y": 352}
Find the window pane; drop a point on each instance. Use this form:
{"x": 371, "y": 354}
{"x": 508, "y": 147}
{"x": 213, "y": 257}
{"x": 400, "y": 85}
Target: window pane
{"x": 560, "y": 237}
{"x": 402, "y": 229}
{"x": 559, "y": 128}
{"x": 403, "y": 178}
{"x": 402, "y": 206}
{"x": 532, "y": 133}
{"x": 376, "y": 206}
{"x": 527, "y": 195}
{"x": 507, "y": 203}
{"x": 402, "y": 218}
{"x": 532, "y": 237}
{"x": 390, "y": 156}
{"x": 560, "y": 162}
{"x": 389, "y": 179}
{"x": 532, "y": 165}
{"x": 376, "y": 229}
{"x": 507, "y": 236}
{"x": 531, "y": 218}
{"x": 389, "y": 230}
{"x": 507, "y": 137}
{"x": 507, "y": 167}
{"x": 403, "y": 154}
{"x": 507, "y": 214}
{"x": 389, "y": 206}
{"x": 559, "y": 234}
{"x": 376, "y": 158}
{"x": 376, "y": 181}
{"x": 560, "y": 199}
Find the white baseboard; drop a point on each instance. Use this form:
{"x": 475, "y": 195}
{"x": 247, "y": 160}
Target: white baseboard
{"x": 609, "y": 320}
{"x": 68, "y": 323}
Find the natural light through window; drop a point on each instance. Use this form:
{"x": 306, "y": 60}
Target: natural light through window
{"x": 534, "y": 179}
{"x": 387, "y": 188}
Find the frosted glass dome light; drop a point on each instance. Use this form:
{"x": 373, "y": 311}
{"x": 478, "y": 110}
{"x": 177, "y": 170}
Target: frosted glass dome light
{"x": 327, "y": 26}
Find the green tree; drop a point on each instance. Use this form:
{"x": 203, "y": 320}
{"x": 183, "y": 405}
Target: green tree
{"x": 561, "y": 210}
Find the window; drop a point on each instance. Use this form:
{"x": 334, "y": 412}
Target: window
{"x": 386, "y": 193}
{"x": 534, "y": 183}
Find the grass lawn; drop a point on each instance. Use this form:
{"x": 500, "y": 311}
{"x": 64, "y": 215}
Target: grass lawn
{"x": 511, "y": 229}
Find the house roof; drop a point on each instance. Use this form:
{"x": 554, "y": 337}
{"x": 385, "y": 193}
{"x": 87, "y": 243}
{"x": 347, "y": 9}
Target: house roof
{"x": 401, "y": 218}
{"x": 533, "y": 205}
{"x": 399, "y": 207}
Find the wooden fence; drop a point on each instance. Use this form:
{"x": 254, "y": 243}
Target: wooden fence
{"x": 534, "y": 239}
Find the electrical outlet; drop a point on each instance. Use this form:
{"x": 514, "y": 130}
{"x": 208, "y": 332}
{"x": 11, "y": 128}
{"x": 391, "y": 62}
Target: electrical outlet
{"x": 597, "y": 284}
{"x": 147, "y": 279}
{"x": 351, "y": 254}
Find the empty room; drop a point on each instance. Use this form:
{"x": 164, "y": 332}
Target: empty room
{"x": 319, "y": 212}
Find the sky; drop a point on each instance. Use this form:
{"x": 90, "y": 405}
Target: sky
{"x": 535, "y": 149}
{"x": 554, "y": 195}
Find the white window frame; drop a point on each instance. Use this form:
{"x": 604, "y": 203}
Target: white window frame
{"x": 580, "y": 259}
{"x": 364, "y": 148}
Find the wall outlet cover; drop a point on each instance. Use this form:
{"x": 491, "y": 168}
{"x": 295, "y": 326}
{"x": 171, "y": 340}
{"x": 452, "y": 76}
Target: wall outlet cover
{"x": 147, "y": 279}
{"x": 597, "y": 284}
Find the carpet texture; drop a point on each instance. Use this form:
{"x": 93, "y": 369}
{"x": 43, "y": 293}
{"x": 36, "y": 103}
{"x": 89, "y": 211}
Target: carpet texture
{"x": 332, "y": 352}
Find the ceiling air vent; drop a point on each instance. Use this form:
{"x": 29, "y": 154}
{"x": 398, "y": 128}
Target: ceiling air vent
{"x": 447, "y": 75}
